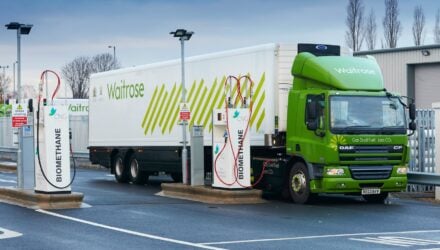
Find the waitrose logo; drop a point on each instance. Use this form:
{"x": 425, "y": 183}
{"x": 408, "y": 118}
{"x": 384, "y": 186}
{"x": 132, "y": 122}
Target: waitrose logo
{"x": 353, "y": 70}
{"x": 122, "y": 90}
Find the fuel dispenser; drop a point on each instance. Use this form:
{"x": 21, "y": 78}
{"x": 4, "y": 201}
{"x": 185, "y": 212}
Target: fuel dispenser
{"x": 230, "y": 140}
{"x": 52, "y": 160}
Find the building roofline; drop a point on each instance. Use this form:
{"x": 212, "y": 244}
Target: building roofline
{"x": 412, "y": 48}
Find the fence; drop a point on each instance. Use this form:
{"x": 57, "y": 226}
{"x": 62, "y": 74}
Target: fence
{"x": 80, "y": 135}
{"x": 422, "y": 145}
{"x": 79, "y": 126}
{"x": 6, "y": 132}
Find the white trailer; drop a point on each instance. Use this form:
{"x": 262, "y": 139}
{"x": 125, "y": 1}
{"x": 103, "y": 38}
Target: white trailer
{"x": 134, "y": 112}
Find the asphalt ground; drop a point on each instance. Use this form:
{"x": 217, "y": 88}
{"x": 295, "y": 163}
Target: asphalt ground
{"x": 125, "y": 216}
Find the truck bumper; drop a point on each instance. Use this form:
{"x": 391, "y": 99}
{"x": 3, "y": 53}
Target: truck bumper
{"x": 349, "y": 185}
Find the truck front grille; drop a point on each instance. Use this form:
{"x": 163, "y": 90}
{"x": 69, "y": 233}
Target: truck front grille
{"x": 370, "y": 154}
{"x": 370, "y": 172}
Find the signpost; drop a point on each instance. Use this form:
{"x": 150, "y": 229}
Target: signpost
{"x": 185, "y": 113}
{"x": 19, "y": 115}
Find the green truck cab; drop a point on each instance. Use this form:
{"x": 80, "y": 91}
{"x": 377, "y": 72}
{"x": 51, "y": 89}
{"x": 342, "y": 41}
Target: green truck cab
{"x": 345, "y": 133}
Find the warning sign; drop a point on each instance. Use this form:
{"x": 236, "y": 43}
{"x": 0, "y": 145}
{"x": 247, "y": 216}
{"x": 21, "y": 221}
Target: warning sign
{"x": 19, "y": 115}
{"x": 185, "y": 113}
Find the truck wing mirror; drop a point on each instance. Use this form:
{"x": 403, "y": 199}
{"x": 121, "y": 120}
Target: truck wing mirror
{"x": 312, "y": 124}
{"x": 412, "y": 111}
{"x": 312, "y": 111}
{"x": 412, "y": 125}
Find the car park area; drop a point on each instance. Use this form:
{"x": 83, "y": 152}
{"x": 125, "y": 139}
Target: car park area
{"x": 132, "y": 216}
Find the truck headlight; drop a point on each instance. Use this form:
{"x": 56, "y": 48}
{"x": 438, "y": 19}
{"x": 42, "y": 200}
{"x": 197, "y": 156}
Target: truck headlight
{"x": 402, "y": 170}
{"x": 335, "y": 171}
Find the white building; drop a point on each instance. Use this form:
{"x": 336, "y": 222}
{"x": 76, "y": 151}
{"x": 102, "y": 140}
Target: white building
{"x": 411, "y": 71}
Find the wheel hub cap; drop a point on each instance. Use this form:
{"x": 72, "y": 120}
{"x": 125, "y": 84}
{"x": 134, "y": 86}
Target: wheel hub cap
{"x": 299, "y": 182}
{"x": 119, "y": 167}
{"x": 134, "y": 168}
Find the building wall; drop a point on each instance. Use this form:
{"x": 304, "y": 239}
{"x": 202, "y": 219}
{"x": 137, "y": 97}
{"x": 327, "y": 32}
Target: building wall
{"x": 398, "y": 66}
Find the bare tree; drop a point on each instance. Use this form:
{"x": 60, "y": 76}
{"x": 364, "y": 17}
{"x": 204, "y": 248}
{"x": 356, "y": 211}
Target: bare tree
{"x": 370, "y": 30}
{"x": 391, "y": 25}
{"x": 77, "y": 72}
{"x": 77, "y": 75}
{"x": 418, "y": 25}
{"x": 103, "y": 62}
{"x": 4, "y": 86}
{"x": 354, "y": 36}
{"x": 28, "y": 91}
{"x": 437, "y": 27}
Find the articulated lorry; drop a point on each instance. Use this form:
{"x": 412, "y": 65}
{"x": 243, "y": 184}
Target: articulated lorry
{"x": 320, "y": 123}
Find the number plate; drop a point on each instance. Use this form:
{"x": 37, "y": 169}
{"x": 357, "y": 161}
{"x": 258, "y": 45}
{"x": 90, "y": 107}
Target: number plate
{"x": 367, "y": 191}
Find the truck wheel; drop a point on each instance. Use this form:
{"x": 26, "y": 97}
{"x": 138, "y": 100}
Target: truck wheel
{"x": 376, "y": 198}
{"x": 299, "y": 184}
{"x": 135, "y": 174}
{"x": 121, "y": 172}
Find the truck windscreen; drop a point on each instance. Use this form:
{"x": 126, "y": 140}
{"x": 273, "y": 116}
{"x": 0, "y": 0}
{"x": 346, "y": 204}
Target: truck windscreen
{"x": 366, "y": 115}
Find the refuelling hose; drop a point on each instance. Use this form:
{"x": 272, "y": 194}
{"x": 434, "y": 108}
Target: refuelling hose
{"x": 228, "y": 139}
{"x": 38, "y": 130}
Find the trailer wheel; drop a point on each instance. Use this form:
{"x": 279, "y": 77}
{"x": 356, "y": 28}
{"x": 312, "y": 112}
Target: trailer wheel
{"x": 135, "y": 174}
{"x": 121, "y": 172}
{"x": 376, "y": 198}
{"x": 299, "y": 184}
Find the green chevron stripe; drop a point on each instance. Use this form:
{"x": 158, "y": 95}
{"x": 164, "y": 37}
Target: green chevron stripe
{"x": 261, "y": 119}
{"x": 175, "y": 116}
{"x": 161, "y": 107}
{"x": 155, "y": 109}
{"x": 167, "y": 105}
{"x": 191, "y": 91}
{"x": 173, "y": 109}
{"x": 207, "y": 103}
{"x": 211, "y": 107}
{"x": 259, "y": 86}
{"x": 199, "y": 107}
{"x": 257, "y": 108}
{"x": 149, "y": 106}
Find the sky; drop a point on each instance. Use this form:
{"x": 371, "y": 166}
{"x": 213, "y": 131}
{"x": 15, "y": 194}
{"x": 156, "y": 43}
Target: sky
{"x": 139, "y": 29}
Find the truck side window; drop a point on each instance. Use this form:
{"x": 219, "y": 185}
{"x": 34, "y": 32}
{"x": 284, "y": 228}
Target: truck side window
{"x": 314, "y": 115}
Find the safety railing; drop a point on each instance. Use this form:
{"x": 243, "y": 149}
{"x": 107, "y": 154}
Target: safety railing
{"x": 422, "y": 154}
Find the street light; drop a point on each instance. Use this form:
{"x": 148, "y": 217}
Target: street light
{"x": 13, "y": 79}
{"x": 114, "y": 54}
{"x": 183, "y": 36}
{"x": 22, "y": 29}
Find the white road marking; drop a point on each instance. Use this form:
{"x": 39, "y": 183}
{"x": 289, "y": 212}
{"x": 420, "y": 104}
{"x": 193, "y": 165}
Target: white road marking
{"x": 397, "y": 241}
{"x": 318, "y": 237}
{"x": 128, "y": 231}
{"x": 8, "y": 181}
{"x": 6, "y": 234}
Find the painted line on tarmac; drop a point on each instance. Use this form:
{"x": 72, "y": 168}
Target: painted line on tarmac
{"x": 121, "y": 230}
{"x": 318, "y": 237}
{"x": 6, "y": 234}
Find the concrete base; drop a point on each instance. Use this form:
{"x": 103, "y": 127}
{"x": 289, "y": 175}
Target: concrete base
{"x": 30, "y": 199}
{"x": 210, "y": 195}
